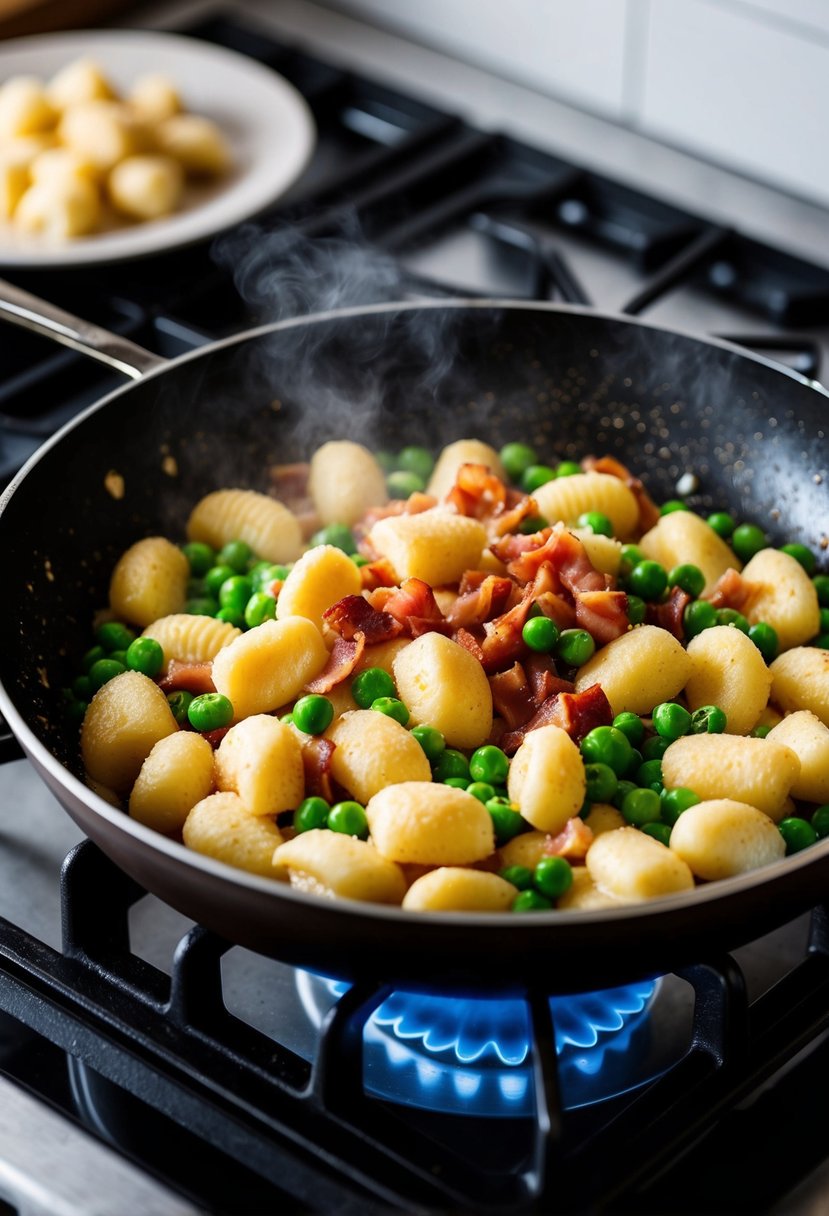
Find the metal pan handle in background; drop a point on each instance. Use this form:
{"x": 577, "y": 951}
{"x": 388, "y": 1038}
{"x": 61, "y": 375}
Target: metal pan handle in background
{"x": 30, "y": 312}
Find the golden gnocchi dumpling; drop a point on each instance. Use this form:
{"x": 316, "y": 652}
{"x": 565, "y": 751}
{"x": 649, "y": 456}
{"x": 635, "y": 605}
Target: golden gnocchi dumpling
{"x": 722, "y": 837}
{"x": 80, "y": 81}
{"x": 800, "y": 680}
{"x": 638, "y": 670}
{"x": 443, "y": 685}
{"x": 222, "y": 827}
{"x": 155, "y": 97}
{"x": 430, "y": 824}
{"x": 146, "y": 187}
{"x": 808, "y": 738}
{"x": 270, "y": 529}
{"x": 757, "y": 771}
{"x": 381, "y": 654}
{"x": 58, "y": 210}
{"x": 631, "y": 866}
{"x": 604, "y": 552}
{"x": 124, "y": 721}
{"x": 566, "y": 498}
{"x": 176, "y": 775}
{"x": 525, "y": 849}
{"x": 344, "y": 480}
{"x": 462, "y": 451}
{"x": 372, "y": 751}
{"x": 260, "y": 759}
{"x": 584, "y": 896}
{"x": 729, "y": 671}
{"x": 436, "y": 546}
{"x": 14, "y": 181}
{"x": 61, "y": 165}
{"x": 190, "y": 638}
{"x": 337, "y": 866}
{"x": 682, "y": 536}
{"x": 782, "y": 594}
{"x": 149, "y": 581}
{"x": 322, "y": 576}
{"x": 196, "y": 142}
{"x": 25, "y": 108}
{"x": 602, "y": 817}
{"x": 546, "y": 778}
{"x": 268, "y": 666}
{"x": 103, "y": 131}
{"x": 455, "y": 889}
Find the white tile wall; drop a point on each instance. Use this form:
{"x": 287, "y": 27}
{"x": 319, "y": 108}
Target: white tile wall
{"x": 744, "y": 83}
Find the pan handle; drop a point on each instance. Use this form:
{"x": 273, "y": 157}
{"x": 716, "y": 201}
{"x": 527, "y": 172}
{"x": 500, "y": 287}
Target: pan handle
{"x": 29, "y": 311}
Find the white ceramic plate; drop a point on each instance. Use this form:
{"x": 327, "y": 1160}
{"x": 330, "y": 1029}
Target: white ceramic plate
{"x": 266, "y": 122}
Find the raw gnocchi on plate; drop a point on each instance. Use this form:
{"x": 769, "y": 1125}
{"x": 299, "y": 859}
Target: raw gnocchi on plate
{"x": 470, "y": 683}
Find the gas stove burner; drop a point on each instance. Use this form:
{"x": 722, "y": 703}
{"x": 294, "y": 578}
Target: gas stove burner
{"x": 471, "y": 1056}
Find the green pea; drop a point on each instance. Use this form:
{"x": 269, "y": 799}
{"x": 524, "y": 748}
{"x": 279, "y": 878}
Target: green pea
{"x": 145, "y": 655}
{"x": 386, "y": 460}
{"x": 196, "y": 589}
{"x": 199, "y": 556}
{"x": 231, "y": 617}
{"x": 358, "y": 559}
{"x": 338, "y": 535}
{"x": 266, "y": 573}
{"x": 235, "y": 592}
{"x": 235, "y": 554}
{"x": 489, "y": 763}
{"x": 516, "y": 458}
{"x": 689, "y": 578}
{"x": 535, "y": 476}
{"x": 260, "y": 607}
{"x": 75, "y": 711}
{"x": 820, "y": 821}
{"x": 540, "y": 634}
{"x": 201, "y": 607}
{"x": 209, "y": 711}
{"x": 672, "y": 505}
{"x": 636, "y": 609}
{"x": 575, "y": 647}
{"x": 797, "y": 833}
{"x": 392, "y": 707}
{"x": 632, "y": 726}
{"x": 708, "y": 720}
{"x": 103, "y": 671}
{"x": 430, "y": 739}
{"x": 671, "y": 721}
{"x": 349, "y": 818}
{"x": 659, "y": 831}
{"x": 746, "y": 540}
{"x": 802, "y": 554}
{"x": 824, "y": 620}
{"x": 414, "y": 459}
{"x": 531, "y": 901}
{"x": 553, "y": 876}
{"x": 722, "y": 523}
{"x": 505, "y": 819}
{"x": 602, "y": 782}
{"x": 622, "y": 790}
{"x": 649, "y": 774}
{"x": 457, "y": 783}
{"x": 402, "y": 484}
{"x": 822, "y": 641}
{"x": 648, "y": 579}
{"x": 568, "y": 468}
{"x": 607, "y": 745}
{"x": 596, "y": 522}
{"x": 113, "y": 635}
{"x": 655, "y": 747}
{"x": 179, "y": 702}
{"x": 634, "y": 764}
{"x": 313, "y": 714}
{"x": 214, "y": 578}
{"x": 821, "y": 585}
{"x": 311, "y": 813}
{"x": 642, "y": 806}
{"x": 675, "y": 801}
{"x": 82, "y": 688}
{"x": 92, "y": 655}
{"x": 370, "y": 684}
{"x": 698, "y": 615}
{"x": 730, "y": 616}
{"x": 764, "y": 637}
{"x": 520, "y": 877}
{"x": 451, "y": 763}
{"x": 760, "y": 732}
{"x": 533, "y": 524}
{"x": 631, "y": 556}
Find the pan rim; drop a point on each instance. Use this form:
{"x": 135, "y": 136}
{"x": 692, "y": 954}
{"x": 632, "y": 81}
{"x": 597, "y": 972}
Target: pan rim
{"x": 630, "y": 914}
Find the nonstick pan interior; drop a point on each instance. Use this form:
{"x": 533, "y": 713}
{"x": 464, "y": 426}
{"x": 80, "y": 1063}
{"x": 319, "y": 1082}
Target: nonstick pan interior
{"x": 569, "y": 381}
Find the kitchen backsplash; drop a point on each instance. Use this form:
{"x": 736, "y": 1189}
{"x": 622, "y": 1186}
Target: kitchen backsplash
{"x": 743, "y": 83}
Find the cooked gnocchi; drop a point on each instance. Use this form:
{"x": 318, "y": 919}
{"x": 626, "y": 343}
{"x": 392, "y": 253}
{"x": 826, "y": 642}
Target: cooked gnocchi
{"x": 470, "y": 698}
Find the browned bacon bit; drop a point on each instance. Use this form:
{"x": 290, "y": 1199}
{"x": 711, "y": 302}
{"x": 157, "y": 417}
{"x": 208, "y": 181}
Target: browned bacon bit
{"x": 543, "y": 678}
{"x": 576, "y": 712}
{"x": 316, "y": 762}
{"x": 730, "y": 591}
{"x": 413, "y": 505}
{"x": 214, "y": 737}
{"x": 469, "y": 642}
{"x": 503, "y": 642}
{"x": 572, "y": 842}
{"x": 477, "y": 492}
{"x": 567, "y": 557}
{"x": 508, "y": 548}
{"x": 648, "y": 510}
{"x": 603, "y": 614}
{"x": 480, "y": 597}
{"x": 512, "y": 697}
{"x": 379, "y": 573}
{"x": 510, "y": 520}
{"x": 196, "y": 678}
{"x": 354, "y": 614}
{"x": 413, "y": 598}
{"x": 344, "y": 657}
{"x": 670, "y": 614}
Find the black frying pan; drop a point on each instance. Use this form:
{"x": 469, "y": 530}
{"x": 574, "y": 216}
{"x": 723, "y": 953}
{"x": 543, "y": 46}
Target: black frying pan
{"x": 568, "y": 380}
